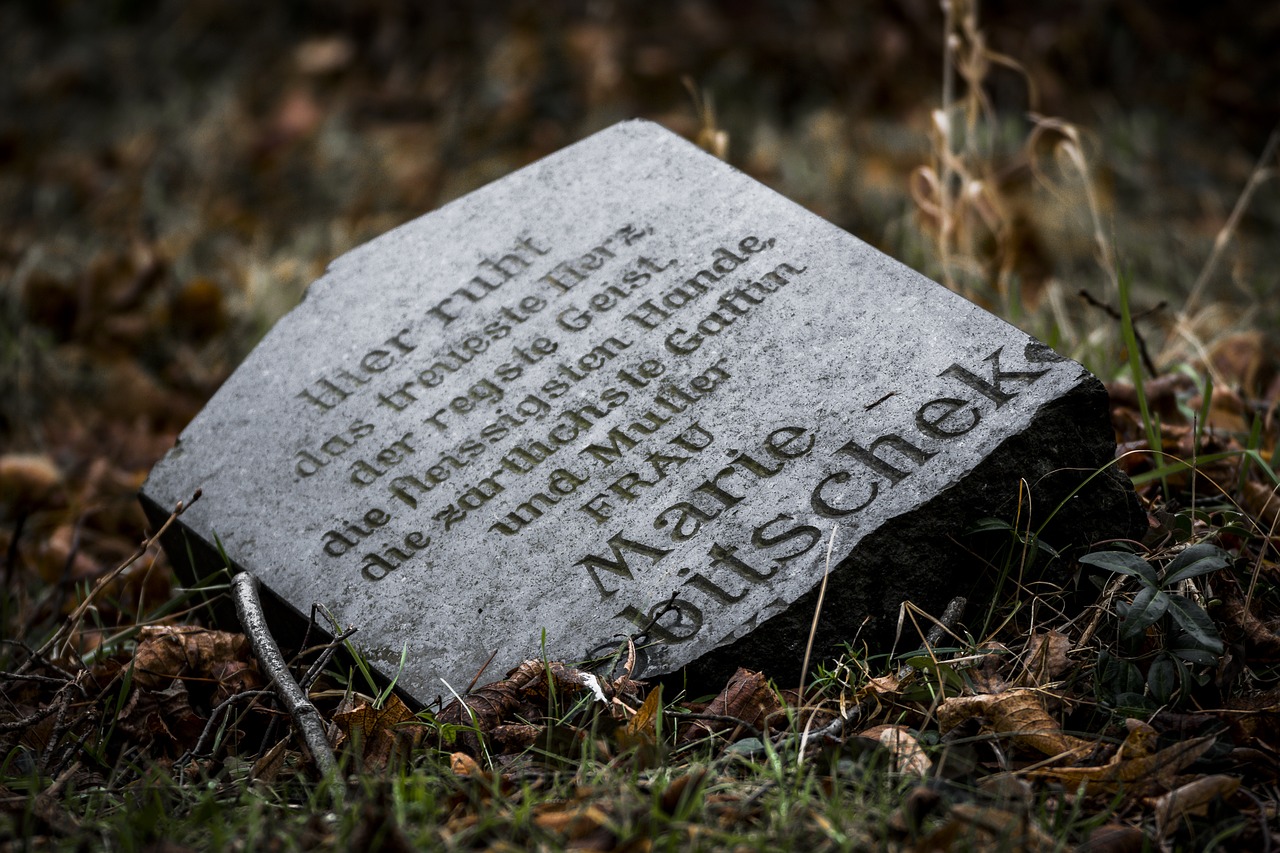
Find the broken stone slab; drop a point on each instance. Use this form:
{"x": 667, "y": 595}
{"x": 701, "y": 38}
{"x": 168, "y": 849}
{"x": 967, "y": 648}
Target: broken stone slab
{"x": 629, "y": 391}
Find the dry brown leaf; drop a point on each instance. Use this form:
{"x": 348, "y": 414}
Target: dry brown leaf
{"x": 1191, "y": 799}
{"x": 908, "y": 756}
{"x": 1139, "y": 743}
{"x": 681, "y": 790}
{"x": 747, "y": 697}
{"x": 165, "y": 715}
{"x": 973, "y": 827}
{"x": 1255, "y": 720}
{"x": 1018, "y": 713}
{"x": 324, "y": 54}
{"x": 526, "y": 685}
{"x": 28, "y": 482}
{"x": 1046, "y": 658}
{"x": 1263, "y": 503}
{"x": 60, "y": 556}
{"x": 267, "y": 767}
{"x": 464, "y": 765}
{"x": 639, "y": 735}
{"x": 379, "y": 732}
{"x": 646, "y": 719}
{"x": 586, "y": 825}
{"x": 1116, "y": 838}
{"x": 991, "y": 673}
{"x": 1148, "y": 772}
{"x": 1007, "y": 790}
{"x": 510, "y": 738}
{"x": 1261, "y": 642}
{"x": 192, "y": 653}
{"x": 885, "y": 685}
{"x": 1247, "y": 360}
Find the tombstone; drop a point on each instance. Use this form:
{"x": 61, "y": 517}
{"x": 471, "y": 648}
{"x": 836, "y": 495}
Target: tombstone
{"x": 629, "y": 391}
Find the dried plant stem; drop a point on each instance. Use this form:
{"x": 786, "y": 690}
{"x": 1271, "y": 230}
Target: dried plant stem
{"x": 244, "y": 587}
{"x": 1259, "y": 174}
{"x": 946, "y": 161}
{"x": 817, "y": 612}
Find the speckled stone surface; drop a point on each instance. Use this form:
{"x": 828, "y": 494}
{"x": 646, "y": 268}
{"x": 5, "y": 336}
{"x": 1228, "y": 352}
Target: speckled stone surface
{"x": 627, "y": 390}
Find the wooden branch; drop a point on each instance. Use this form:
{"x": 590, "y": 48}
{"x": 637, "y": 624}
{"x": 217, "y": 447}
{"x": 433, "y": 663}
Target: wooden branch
{"x": 244, "y": 588}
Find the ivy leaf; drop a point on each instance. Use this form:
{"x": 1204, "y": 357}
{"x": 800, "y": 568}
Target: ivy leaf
{"x": 1195, "y": 561}
{"x": 1196, "y": 655}
{"x": 1195, "y": 622}
{"x": 1123, "y": 563}
{"x": 1117, "y": 675}
{"x": 1147, "y": 608}
{"x": 1162, "y": 678}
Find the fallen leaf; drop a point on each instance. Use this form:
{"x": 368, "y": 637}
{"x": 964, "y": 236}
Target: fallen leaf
{"x": 1263, "y": 502}
{"x": 1247, "y": 360}
{"x": 1191, "y": 799}
{"x": 164, "y": 715}
{"x": 324, "y": 54}
{"x": 487, "y": 706}
{"x": 1255, "y": 720}
{"x": 464, "y": 765}
{"x": 512, "y": 738}
{"x": 1018, "y": 713}
{"x": 1007, "y": 790}
{"x": 747, "y": 697}
{"x": 1148, "y": 772}
{"x": 908, "y": 756}
{"x": 1139, "y": 743}
{"x": 28, "y": 482}
{"x": 585, "y": 827}
{"x": 991, "y": 673}
{"x": 192, "y": 653}
{"x": 681, "y": 790}
{"x": 378, "y": 731}
{"x": 1046, "y": 658}
{"x": 646, "y": 719}
{"x": 268, "y": 765}
{"x": 920, "y": 802}
{"x": 973, "y": 827}
{"x": 1116, "y": 838}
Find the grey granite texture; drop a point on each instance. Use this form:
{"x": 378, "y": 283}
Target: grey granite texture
{"x": 628, "y": 390}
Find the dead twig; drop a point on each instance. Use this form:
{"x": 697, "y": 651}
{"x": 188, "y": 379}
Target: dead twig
{"x": 30, "y": 719}
{"x": 244, "y": 587}
{"x": 211, "y": 726}
{"x": 1147, "y": 361}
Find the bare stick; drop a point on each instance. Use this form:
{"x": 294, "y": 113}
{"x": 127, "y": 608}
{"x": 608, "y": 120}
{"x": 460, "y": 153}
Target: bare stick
{"x": 1115, "y": 315}
{"x": 244, "y": 588}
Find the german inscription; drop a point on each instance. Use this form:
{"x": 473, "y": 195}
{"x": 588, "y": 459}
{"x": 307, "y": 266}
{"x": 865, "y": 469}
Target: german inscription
{"x": 625, "y": 391}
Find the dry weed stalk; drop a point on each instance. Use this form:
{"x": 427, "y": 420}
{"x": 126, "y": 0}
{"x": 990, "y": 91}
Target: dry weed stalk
{"x": 1193, "y": 325}
{"x": 961, "y": 193}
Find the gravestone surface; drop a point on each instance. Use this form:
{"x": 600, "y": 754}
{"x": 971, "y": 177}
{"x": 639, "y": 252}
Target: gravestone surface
{"x": 628, "y": 390}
